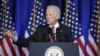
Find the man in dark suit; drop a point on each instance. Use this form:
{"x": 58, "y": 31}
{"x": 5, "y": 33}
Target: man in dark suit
{"x": 59, "y": 33}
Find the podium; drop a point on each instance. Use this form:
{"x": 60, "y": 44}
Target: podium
{"x": 53, "y": 49}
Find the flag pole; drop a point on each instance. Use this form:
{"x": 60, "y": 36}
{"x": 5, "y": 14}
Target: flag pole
{"x": 66, "y": 12}
{"x": 99, "y": 24}
{"x": 4, "y": 23}
{"x": 34, "y": 17}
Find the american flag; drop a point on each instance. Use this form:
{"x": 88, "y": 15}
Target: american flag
{"x": 7, "y": 47}
{"x": 92, "y": 47}
{"x": 41, "y": 10}
{"x": 87, "y": 45}
{"x": 40, "y": 13}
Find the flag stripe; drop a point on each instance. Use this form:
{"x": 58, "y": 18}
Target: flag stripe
{"x": 3, "y": 48}
{"x": 92, "y": 48}
{"x": 7, "y": 47}
{"x": 82, "y": 47}
{"x": 10, "y": 46}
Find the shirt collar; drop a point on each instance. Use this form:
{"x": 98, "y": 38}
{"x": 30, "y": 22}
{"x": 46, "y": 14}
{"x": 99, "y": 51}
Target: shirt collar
{"x": 56, "y": 25}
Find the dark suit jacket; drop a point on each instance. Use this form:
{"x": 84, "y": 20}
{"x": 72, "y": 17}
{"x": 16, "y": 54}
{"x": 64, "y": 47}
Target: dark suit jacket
{"x": 42, "y": 35}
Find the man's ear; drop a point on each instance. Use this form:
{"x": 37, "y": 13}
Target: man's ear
{"x": 58, "y": 17}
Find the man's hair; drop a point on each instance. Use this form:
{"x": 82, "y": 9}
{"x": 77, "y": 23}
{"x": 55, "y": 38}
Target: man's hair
{"x": 58, "y": 10}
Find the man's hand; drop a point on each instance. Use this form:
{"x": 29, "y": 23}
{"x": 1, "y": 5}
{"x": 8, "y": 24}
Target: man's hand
{"x": 9, "y": 33}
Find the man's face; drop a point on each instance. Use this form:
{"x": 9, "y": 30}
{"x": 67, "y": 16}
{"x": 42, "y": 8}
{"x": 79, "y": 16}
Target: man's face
{"x": 51, "y": 16}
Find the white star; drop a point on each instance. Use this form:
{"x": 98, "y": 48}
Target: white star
{"x": 38, "y": 12}
{"x": 7, "y": 12}
{"x": 31, "y": 33}
{"x": 10, "y": 18}
{"x": 43, "y": 23}
{"x": 31, "y": 14}
{"x": 97, "y": 11}
{"x": 72, "y": 22}
{"x": 44, "y": 20}
{"x": 0, "y": 18}
{"x": 37, "y": 2}
{"x": 36, "y": 6}
{"x": 37, "y": 21}
{"x": 76, "y": 19}
{"x": 95, "y": 30}
{"x": 70, "y": 16}
{"x": 73, "y": 13}
{"x": 73, "y": 17}
{"x": 69, "y": 20}
{"x": 72, "y": 30}
{"x": 72, "y": 26}
{"x": 9, "y": 26}
{"x": 80, "y": 29}
{"x": 76, "y": 23}
{"x": 42, "y": 10}
{"x": 80, "y": 33}
{"x": 8, "y": 8}
{"x": 30, "y": 18}
{"x": 73, "y": 4}
{"x": 94, "y": 10}
{"x": 32, "y": 28}
{"x": 36, "y": 25}
{"x": 1, "y": 27}
{"x": 68, "y": 1}
{"x": 29, "y": 27}
{"x": 1, "y": 32}
{"x": 62, "y": 22}
{"x": 95, "y": 25}
{"x": 40, "y": 23}
{"x": 94, "y": 35}
{"x": 63, "y": 17}
{"x": 30, "y": 22}
{"x": 7, "y": 16}
{"x": 76, "y": 27}
{"x": 75, "y": 36}
{"x": 73, "y": 8}
{"x": 41, "y": 18}
{"x": 76, "y": 32}
{"x": 91, "y": 24}
{"x": 10, "y": 22}
{"x": 91, "y": 29}
{"x": 40, "y": 4}
{"x": 69, "y": 25}
{"x": 38, "y": 16}
{"x": 41, "y": 14}
{"x": 6, "y": 21}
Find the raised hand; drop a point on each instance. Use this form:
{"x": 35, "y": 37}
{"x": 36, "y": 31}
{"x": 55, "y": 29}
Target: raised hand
{"x": 9, "y": 33}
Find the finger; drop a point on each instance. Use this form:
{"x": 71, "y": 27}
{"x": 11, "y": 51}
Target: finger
{"x": 5, "y": 30}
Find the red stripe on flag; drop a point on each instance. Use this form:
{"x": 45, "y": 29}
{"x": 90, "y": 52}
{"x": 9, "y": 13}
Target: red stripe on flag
{"x": 10, "y": 46}
{"x": 92, "y": 48}
{"x": 82, "y": 47}
{"x": 3, "y": 48}
{"x": 21, "y": 52}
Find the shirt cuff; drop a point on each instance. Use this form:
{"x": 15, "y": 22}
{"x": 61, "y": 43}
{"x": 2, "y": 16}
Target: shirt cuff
{"x": 15, "y": 38}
